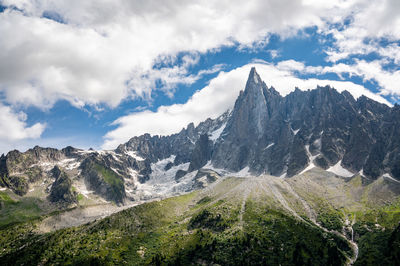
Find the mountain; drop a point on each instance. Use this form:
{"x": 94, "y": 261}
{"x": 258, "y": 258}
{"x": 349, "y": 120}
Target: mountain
{"x": 256, "y": 180}
{"x": 265, "y": 133}
{"x": 284, "y": 135}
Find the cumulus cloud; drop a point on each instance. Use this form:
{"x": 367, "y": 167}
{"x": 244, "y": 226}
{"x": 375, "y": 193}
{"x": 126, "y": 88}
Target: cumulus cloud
{"x": 219, "y": 96}
{"x": 13, "y": 127}
{"x": 97, "y": 52}
{"x": 104, "y": 51}
{"x": 387, "y": 81}
{"x": 370, "y": 21}
{"x": 373, "y": 27}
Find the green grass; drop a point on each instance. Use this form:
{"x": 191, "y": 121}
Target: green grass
{"x": 183, "y": 230}
{"x": 79, "y": 197}
{"x": 13, "y": 211}
{"x": 198, "y": 229}
{"x": 4, "y": 197}
{"x": 112, "y": 179}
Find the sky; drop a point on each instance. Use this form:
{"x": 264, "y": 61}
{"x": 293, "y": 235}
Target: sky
{"x": 94, "y": 73}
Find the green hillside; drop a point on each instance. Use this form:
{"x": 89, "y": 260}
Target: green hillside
{"x": 238, "y": 221}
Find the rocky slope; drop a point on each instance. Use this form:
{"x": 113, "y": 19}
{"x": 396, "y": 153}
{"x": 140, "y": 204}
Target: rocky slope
{"x": 311, "y": 219}
{"x": 309, "y": 178}
{"x": 284, "y": 135}
{"x": 265, "y": 133}
{"x": 113, "y": 175}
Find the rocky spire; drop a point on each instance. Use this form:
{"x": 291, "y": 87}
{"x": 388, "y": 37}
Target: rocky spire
{"x": 245, "y": 127}
{"x": 250, "y": 112}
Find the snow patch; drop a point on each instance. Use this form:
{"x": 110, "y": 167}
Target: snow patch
{"x": 295, "y": 131}
{"x": 337, "y": 169}
{"x": 69, "y": 164}
{"x": 269, "y": 146}
{"x": 3, "y": 189}
{"x": 86, "y": 151}
{"x": 162, "y": 183}
{"x": 115, "y": 170}
{"x": 309, "y": 167}
{"x": 242, "y": 173}
{"x": 388, "y": 176}
{"x": 82, "y": 189}
{"x": 47, "y": 166}
{"x": 317, "y": 143}
{"x": 217, "y": 133}
{"x": 134, "y": 155}
{"x": 283, "y": 175}
{"x": 311, "y": 159}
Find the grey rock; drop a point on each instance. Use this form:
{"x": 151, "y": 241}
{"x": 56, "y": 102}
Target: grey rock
{"x": 61, "y": 190}
{"x": 201, "y": 153}
{"x": 204, "y": 177}
{"x": 179, "y": 174}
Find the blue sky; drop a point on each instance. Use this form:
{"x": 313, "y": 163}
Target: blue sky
{"x": 94, "y": 74}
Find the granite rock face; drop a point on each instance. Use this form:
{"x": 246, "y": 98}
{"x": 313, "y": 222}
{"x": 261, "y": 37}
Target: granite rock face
{"x": 201, "y": 153}
{"x": 281, "y": 135}
{"x": 264, "y": 133}
{"x": 61, "y": 190}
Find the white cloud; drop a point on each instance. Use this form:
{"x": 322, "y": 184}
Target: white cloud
{"x": 13, "y": 128}
{"x": 211, "y": 101}
{"x": 388, "y": 81}
{"x": 105, "y": 50}
{"x": 370, "y": 22}
{"x": 219, "y": 96}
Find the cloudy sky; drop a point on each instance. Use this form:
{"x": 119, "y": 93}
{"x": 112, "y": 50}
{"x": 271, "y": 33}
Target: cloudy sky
{"x": 94, "y": 73}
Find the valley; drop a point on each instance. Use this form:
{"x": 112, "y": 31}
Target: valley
{"x": 265, "y": 218}
{"x": 307, "y": 179}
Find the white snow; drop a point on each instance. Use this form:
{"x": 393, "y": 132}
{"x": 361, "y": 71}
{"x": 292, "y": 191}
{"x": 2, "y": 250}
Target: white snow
{"x": 388, "y": 176}
{"x": 3, "y": 189}
{"x": 113, "y": 154}
{"x": 362, "y": 172}
{"x": 283, "y": 175}
{"x": 87, "y": 151}
{"x": 317, "y": 143}
{"x": 311, "y": 158}
{"x": 309, "y": 167}
{"x": 115, "y": 170}
{"x": 295, "y": 131}
{"x": 269, "y": 145}
{"x": 47, "y": 166}
{"x": 223, "y": 172}
{"x": 130, "y": 183}
{"x": 134, "y": 155}
{"x": 191, "y": 140}
{"x": 81, "y": 188}
{"x": 217, "y": 133}
{"x": 337, "y": 169}
{"x": 73, "y": 166}
{"x": 242, "y": 173}
{"x": 162, "y": 183}
{"x": 69, "y": 164}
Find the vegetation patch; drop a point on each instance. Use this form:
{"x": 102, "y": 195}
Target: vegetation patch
{"x": 12, "y": 211}
{"x": 113, "y": 180}
{"x": 206, "y": 219}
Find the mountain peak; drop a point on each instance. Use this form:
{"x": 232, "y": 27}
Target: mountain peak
{"x": 253, "y": 78}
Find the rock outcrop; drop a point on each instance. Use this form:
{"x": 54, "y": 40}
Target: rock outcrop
{"x": 61, "y": 191}
{"x": 265, "y": 133}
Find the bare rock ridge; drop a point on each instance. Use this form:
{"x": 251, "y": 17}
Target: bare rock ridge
{"x": 265, "y": 133}
{"x": 321, "y": 127}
